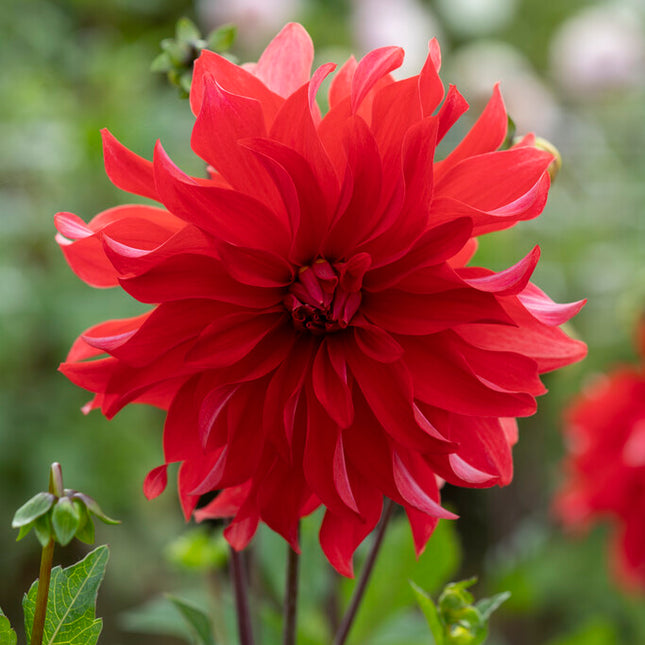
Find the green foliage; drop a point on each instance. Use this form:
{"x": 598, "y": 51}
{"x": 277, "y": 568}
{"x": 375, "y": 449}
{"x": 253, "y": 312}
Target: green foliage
{"x": 71, "y": 607}
{"x": 198, "y": 549}
{"x": 597, "y": 631}
{"x": 179, "y": 53}
{"x": 199, "y": 622}
{"x": 7, "y": 635}
{"x": 456, "y": 620}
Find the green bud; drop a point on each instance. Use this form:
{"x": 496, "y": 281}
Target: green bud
{"x": 60, "y": 514}
{"x": 458, "y": 621}
{"x": 556, "y": 164}
{"x": 66, "y": 520}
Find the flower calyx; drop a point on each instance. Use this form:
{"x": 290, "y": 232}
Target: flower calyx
{"x": 59, "y": 514}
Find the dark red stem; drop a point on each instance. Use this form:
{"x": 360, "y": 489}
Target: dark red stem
{"x": 239, "y": 578}
{"x": 366, "y": 572}
{"x": 291, "y": 598}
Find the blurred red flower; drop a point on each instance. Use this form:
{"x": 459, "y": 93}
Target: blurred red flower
{"x": 605, "y": 467}
{"x": 317, "y": 337}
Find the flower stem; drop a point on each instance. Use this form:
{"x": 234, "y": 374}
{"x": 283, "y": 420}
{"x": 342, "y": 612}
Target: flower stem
{"x": 361, "y": 585}
{"x": 46, "y": 561}
{"x": 291, "y": 598}
{"x": 238, "y": 575}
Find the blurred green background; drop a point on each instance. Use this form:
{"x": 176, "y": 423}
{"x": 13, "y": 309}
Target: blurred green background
{"x": 572, "y": 71}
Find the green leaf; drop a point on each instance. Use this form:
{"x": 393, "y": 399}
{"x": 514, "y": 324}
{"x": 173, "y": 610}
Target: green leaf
{"x": 221, "y": 39}
{"x": 93, "y": 507}
{"x": 161, "y": 63}
{"x": 187, "y": 30}
{"x": 199, "y": 622}
{"x": 23, "y": 531}
{"x": 487, "y": 606}
{"x": 429, "y": 610}
{"x": 7, "y": 635}
{"x": 65, "y": 520}
{"x": 38, "y": 505}
{"x": 71, "y": 607}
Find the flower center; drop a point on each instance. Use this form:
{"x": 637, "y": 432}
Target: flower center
{"x": 324, "y": 297}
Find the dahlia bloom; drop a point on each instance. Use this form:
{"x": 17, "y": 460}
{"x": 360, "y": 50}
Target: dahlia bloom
{"x": 605, "y": 468}
{"x": 316, "y": 336}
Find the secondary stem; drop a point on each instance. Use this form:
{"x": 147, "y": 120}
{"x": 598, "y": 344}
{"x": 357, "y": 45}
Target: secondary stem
{"x": 291, "y": 598}
{"x": 238, "y": 575}
{"x": 357, "y": 596}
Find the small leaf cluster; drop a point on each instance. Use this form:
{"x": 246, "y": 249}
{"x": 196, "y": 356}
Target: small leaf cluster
{"x": 457, "y": 619}
{"x": 179, "y": 53}
{"x": 60, "y": 518}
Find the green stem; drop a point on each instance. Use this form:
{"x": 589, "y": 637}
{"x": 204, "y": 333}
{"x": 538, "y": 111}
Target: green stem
{"x": 291, "y": 598}
{"x": 46, "y": 560}
{"x": 366, "y": 572}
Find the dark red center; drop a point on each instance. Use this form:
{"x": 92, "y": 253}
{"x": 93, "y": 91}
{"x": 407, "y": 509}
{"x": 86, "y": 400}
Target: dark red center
{"x": 324, "y": 297}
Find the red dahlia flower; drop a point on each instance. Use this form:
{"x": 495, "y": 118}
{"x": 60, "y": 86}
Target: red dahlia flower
{"x": 316, "y": 336}
{"x": 606, "y": 464}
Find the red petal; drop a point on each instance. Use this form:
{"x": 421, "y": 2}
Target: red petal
{"x": 127, "y": 170}
{"x": 436, "y": 245}
{"x": 422, "y": 526}
{"x": 452, "y": 108}
{"x": 406, "y": 313}
{"x": 231, "y": 337}
{"x": 131, "y": 260}
{"x": 324, "y": 467}
{"x": 508, "y": 282}
{"x": 256, "y": 267}
{"x": 234, "y": 79}
{"x": 376, "y": 342}
{"x": 187, "y": 276}
{"x": 281, "y": 498}
{"x": 155, "y": 482}
{"x": 527, "y": 206}
{"x": 341, "y": 85}
{"x": 112, "y": 332}
{"x": 314, "y": 210}
{"x": 486, "y": 135}
{"x": 223, "y": 120}
{"x": 387, "y": 388}
{"x": 226, "y": 214}
{"x": 285, "y": 64}
{"x": 356, "y": 221}
{"x": 423, "y": 494}
{"x": 492, "y": 180}
{"x": 340, "y": 534}
{"x": 443, "y": 379}
{"x": 331, "y": 389}
{"x": 431, "y": 90}
{"x": 372, "y": 67}
{"x": 545, "y": 310}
